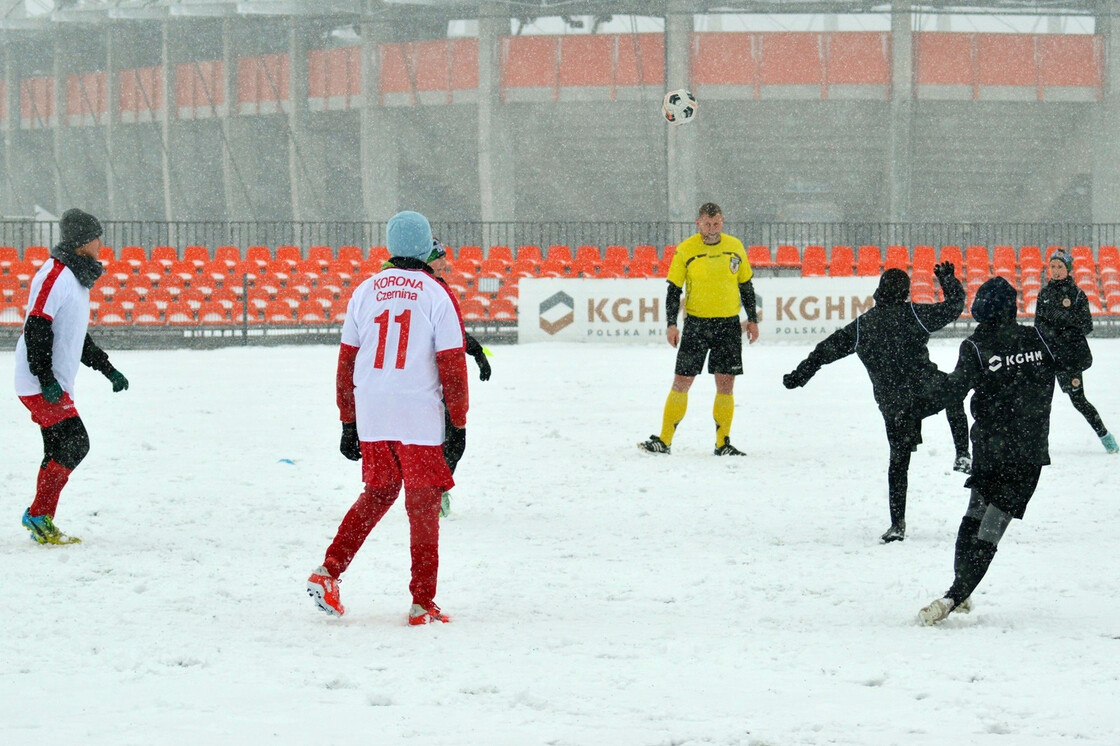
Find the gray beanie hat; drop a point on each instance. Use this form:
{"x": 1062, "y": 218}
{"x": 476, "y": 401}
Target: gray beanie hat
{"x": 409, "y": 235}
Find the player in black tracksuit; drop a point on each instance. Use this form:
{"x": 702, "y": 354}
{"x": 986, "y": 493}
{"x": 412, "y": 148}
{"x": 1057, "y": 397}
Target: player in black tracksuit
{"x": 1010, "y": 369}
{"x": 891, "y": 341}
{"x": 1063, "y": 314}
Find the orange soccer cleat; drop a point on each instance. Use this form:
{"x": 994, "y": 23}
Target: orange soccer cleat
{"x": 323, "y": 590}
{"x": 418, "y": 615}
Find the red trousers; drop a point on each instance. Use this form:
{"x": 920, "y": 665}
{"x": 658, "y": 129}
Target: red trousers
{"x": 386, "y": 466}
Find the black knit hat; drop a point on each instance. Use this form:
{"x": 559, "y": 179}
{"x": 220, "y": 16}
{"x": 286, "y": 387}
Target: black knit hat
{"x": 78, "y": 228}
{"x": 894, "y": 286}
{"x": 995, "y": 302}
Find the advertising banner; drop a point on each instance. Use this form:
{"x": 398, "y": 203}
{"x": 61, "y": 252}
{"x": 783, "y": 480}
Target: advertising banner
{"x": 633, "y": 310}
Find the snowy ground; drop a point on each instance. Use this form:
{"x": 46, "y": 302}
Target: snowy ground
{"x": 599, "y": 595}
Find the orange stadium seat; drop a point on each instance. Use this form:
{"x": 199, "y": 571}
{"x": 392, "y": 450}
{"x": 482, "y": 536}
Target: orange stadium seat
{"x": 378, "y": 254}
{"x": 644, "y": 262}
{"x": 473, "y": 309}
{"x": 312, "y": 312}
{"x": 8, "y": 257}
{"x": 924, "y": 258}
{"x": 164, "y": 255}
{"x": 134, "y": 255}
{"x": 183, "y": 269}
{"x": 261, "y": 255}
{"x": 196, "y": 255}
{"x": 759, "y": 257}
{"x": 279, "y": 312}
{"x": 529, "y": 253}
{"x": 503, "y": 309}
{"x": 617, "y": 258}
{"x": 788, "y": 257}
{"x": 1003, "y": 258}
{"x": 898, "y": 257}
{"x": 288, "y": 254}
{"x": 814, "y": 261}
{"x": 524, "y": 268}
{"x": 110, "y": 313}
{"x": 952, "y": 254}
{"x": 503, "y": 253}
{"x": 1108, "y": 256}
{"x": 36, "y": 255}
{"x": 228, "y": 255}
{"x": 469, "y": 254}
{"x": 352, "y": 254}
{"x": 213, "y": 313}
{"x": 842, "y": 262}
{"x": 496, "y": 266}
{"x": 1030, "y": 261}
{"x": 321, "y": 255}
{"x": 145, "y": 313}
{"x": 977, "y": 263}
{"x": 869, "y": 261}
{"x": 180, "y": 313}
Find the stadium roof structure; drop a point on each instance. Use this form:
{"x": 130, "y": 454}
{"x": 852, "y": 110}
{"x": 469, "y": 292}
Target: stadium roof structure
{"x": 101, "y": 11}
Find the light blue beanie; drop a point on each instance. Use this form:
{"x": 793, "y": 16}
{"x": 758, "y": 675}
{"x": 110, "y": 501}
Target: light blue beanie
{"x": 409, "y": 235}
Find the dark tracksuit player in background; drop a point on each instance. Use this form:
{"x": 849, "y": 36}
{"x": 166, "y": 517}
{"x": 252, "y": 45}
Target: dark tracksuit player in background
{"x": 891, "y": 341}
{"x": 1063, "y": 314}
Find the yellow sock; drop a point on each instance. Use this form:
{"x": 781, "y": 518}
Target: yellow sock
{"x": 723, "y": 410}
{"x": 675, "y": 406}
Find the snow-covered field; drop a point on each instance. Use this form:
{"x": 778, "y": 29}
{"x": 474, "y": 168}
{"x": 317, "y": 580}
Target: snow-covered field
{"x": 599, "y": 595}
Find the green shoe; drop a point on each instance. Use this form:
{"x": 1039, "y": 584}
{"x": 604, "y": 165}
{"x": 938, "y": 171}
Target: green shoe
{"x": 445, "y": 505}
{"x": 44, "y": 531}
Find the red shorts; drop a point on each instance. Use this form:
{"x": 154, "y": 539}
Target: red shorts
{"x": 386, "y": 463}
{"x": 45, "y": 414}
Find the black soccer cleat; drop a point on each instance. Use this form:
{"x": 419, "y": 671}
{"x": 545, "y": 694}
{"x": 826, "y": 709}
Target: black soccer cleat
{"x": 897, "y": 532}
{"x": 654, "y": 445}
{"x": 727, "y": 449}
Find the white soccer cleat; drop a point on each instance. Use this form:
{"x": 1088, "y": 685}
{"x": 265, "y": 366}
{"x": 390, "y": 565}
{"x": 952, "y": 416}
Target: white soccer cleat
{"x": 323, "y": 590}
{"x": 964, "y": 607}
{"x": 935, "y": 612}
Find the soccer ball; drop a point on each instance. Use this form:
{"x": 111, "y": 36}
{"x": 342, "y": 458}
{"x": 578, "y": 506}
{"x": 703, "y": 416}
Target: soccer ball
{"x": 679, "y": 106}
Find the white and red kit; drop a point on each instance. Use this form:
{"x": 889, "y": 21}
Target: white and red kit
{"x": 57, "y": 296}
{"x": 401, "y": 361}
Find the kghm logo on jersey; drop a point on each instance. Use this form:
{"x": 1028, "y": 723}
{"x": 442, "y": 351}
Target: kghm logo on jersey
{"x": 995, "y": 362}
{"x": 556, "y": 312}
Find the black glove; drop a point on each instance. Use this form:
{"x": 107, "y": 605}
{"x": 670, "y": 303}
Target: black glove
{"x": 483, "y": 366}
{"x": 52, "y": 392}
{"x": 944, "y": 271}
{"x": 120, "y": 383}
{"x": 349, "y": 445}
{"x": 800, "y": 375}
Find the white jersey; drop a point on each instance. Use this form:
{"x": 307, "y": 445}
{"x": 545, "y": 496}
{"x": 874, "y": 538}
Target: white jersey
{"x": 57, "y": 296}
{"x": 399, "y": 319}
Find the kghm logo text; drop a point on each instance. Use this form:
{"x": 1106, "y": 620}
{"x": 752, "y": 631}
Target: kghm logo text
{"x": 995, "y": 362}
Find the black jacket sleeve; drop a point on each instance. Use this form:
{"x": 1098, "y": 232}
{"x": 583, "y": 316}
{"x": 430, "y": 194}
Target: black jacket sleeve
{"x": 38, "y": 335}
{"x": 672, "y": 304}
{"x": 746, "y": 295}
{"x": 935, "y": 316}
{"x": 474, "y": 347}
{"x": 95, "y": 357}
{"x": 1082, "y": 314}
{"x": 965, "y": 376}
{"x": 835, "y": 346}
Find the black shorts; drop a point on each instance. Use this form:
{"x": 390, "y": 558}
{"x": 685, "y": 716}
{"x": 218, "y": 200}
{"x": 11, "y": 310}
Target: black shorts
{"x": 1008, "y": 487}
{"x": 723, "y": 337}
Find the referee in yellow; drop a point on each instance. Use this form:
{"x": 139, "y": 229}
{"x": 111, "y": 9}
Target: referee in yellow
{"x": 713, "y": 272}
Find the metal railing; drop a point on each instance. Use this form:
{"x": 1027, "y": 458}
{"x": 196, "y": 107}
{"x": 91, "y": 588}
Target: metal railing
{"x": 211, "y": 234}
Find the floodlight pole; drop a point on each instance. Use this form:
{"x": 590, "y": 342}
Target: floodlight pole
{"x": 496, "y": 158}
{"x": 901, "y": 111}
{"x": 379, "y": 151}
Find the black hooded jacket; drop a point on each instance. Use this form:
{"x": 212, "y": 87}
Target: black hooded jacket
{"x": 1063, "y": 314}
{"x": 891, "y": 340}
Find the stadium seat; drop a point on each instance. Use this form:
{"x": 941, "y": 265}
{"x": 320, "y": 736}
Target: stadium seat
{"x": 1108, "y": 256}
{"x": 617, "y": 259}
{"x": 279, "y": 312}
{"x": 165, "y": 255}
{"x": 869, "y": 261}
{"x": 472, "y": 309}
{"x": 180, "y": 313}
{"x": 469, "y": 255}
{"x": 842, "y": 262}
{"x": 558, "y": 261}
{"x": 351, "y": 254}
{"x": 759, "y": 257}
{"x": 279, "y": 270}
{"x": 378, "y": 255}
{"x": 494, "y": 267}
{"x": 814, "y": 262}
{"x": 228, "y": 255}
{"x": 196, "y": 255}
{"x": 787, "y": 257}
{"x": 529, "y": 253}
{"x": 110, "y": 313}
{"x": 261, "y": 255}
{"x": 36, "y": 255}
{"x": 524, "y": 268}
{"x": 502, "y": 309}
{"x": 952, "y": 254}
{"x": 145, "y": 313}
{"x": 288, "y": 254}
{"x": 213, "y": 313}
{"x": 246, "y": 269}
{"x": 644, "y": 262}
{"x": 1003, "y": 257}
{"x": 9, "y": 287}
{"x": 586, "y": 263}
{"x": 312, "y": 312}
{"x": 332, "y": 282}
{"x": 161, "y": 296}
{"x": 924, "y": 258}
{"x": 192, "y": 297}
{"x": 134, "y": 255}
{"x": 977, "y": 263}
{"x": 321, "y": 255}
{"x": 183, "y": 269}
{"x": 898, "y": 257}
{"x": 8, "y": 257}
{"x": 501, "y": 253}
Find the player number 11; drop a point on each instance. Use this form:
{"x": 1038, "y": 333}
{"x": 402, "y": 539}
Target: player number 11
{"x": 403, "y": 319}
